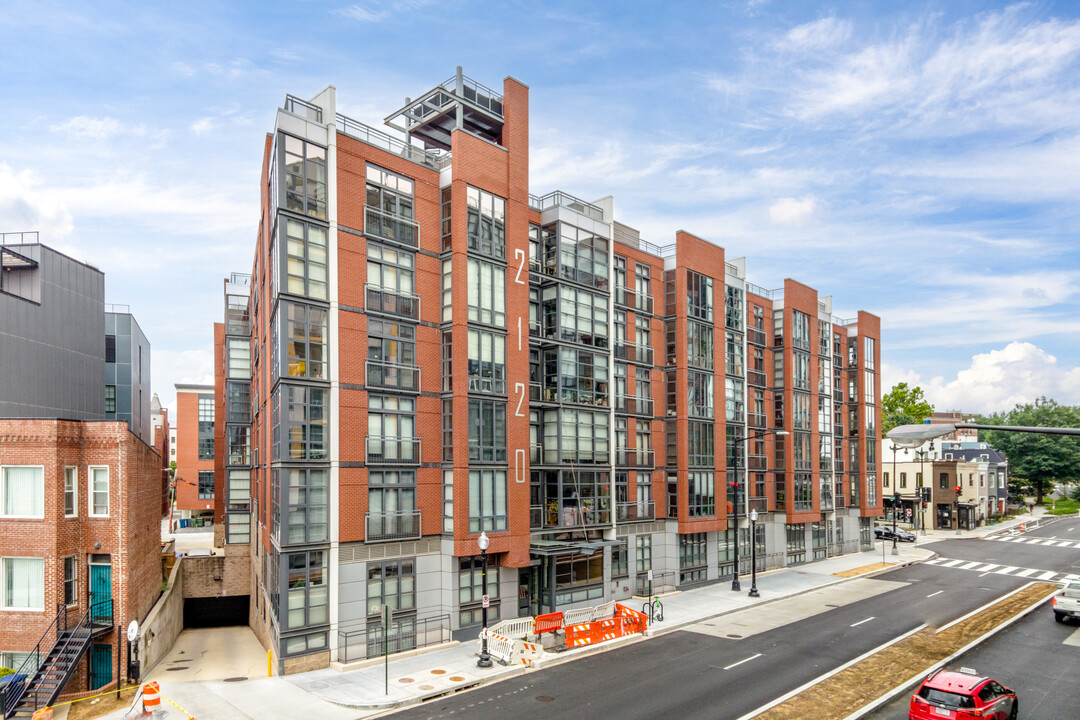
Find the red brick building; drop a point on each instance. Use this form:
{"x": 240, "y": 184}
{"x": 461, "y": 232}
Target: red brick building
{"x": 80, "y": 511}
{"x": 436, "y": 353}
{"x": 194, "y": 481}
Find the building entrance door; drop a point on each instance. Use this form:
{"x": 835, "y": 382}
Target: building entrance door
{"x": 100, "y": 666}
{"x": 100, "y": 589}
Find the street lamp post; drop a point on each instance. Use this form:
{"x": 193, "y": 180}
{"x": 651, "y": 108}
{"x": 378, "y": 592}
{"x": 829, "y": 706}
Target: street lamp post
{"x": 753, "y": 554}
{"x": 895, "y": 502}
{"x": 735, "y": 586}
{"x": 922, "y": 480}
{"x": 485, "y": 659}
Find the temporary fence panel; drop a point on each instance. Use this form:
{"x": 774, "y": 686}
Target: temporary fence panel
{"x": 547, "y": 623}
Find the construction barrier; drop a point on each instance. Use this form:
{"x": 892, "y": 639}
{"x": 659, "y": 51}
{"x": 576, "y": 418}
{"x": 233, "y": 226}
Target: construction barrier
{"x": 514, "y": 628}
{"x": 526, "y": 652}
{"x": 547, "y": 623}
{"x": 579, "y": 635}
{"x": 43, "y": 714}
{"x": 151, "y": 698}
{"x": 582, "y": 626}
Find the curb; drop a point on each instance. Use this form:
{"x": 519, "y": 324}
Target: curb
{"x": 912, "y": 682}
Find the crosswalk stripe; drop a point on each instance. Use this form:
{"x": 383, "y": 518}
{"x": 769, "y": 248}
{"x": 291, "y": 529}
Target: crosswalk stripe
{"x": 935, "y": 561}
{"x": 952, "y": 563}
{"x": 1005, "y": 570}
{"x": 1025, "y": 573}
{"x": 968, "y": 566}
{"x": 988, "y": 567}
{"x": 1046, "y": 575}
{"x": 1035, "y": 541}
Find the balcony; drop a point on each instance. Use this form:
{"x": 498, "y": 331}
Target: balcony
{"x": 392, "y": 450}
{"x": 536, "y": 453}
{"x": 634, "y": 458}
{"x": 634, "y": 512}
{"x": 395, "y": 229}
{"x": 757, "y": 462}
{"x": 391, "y": 302}
{"x": 383, "y": 527}
{"x": 634, "y": 405}
{"x": 759, "y": 503}
{"x": 839, "y": 501}
{"x": 756, "y": 378}
{"x": 556, "y": 515}
{"x": 560, "y": 199}
{"x": 631, "y": 352}
{"x": 390, "y": 376}
{"x": 756, "y": 420}
{"x": 627, "y": 298}
{"x": 756, "y": 337}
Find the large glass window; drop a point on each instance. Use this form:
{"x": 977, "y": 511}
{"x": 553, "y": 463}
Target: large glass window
{"x": 206, "y": 484}
{"x": 305, "y": 504}
{"x": 305, "y": 341}
{"x": 305, "y": 176}
{"x": 733, "y": 308}
{"x": 693, "y": 557}
{"x": 574, "y": 573}
{"x": 582, "y": 256}
{"x": 487, "y": 500}
{"x": 237, "y": 402}
{"x": 23, "y": 583}
{"x": 392, "y": 355}
{"x": 576, "y": 436}
{"x": 23, "y": 491}
{"x": 699, "y": 296}
{"x": 238, "y": 439}
{"x": 487, "y": 362}
{"x": 392, "y": 430}
{"x": 487, "y": 293}
{"x": 643, "y": 553}
{"x": 487, "y": 430}
{"x": 735, "y": 390}
{"x": 699, "y": 344}
{"x": 471, "y": 590}
{"x": 238, "y": 358}
{"x": 575, "y": 315}
{"x": 304, "y": 258}
{"x": 99, "y": 491}
{"x": 392, "y": 504}
{"x": 702, "y": 493}
{"x": 486, "y": 215}
{"x": 735, "y": 356}
{"x": 389, "y": 211}
{"x": 700, "y": 394}
{"x": 301, "y": 432}
{"x": 308, "y": 596}
{"x": 575, "y": 376}
{"x": 71, "y": 492}
{"x": 701, "y": 444}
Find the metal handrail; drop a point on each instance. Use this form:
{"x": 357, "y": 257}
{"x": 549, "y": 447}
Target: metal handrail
{"x": 395, "y": 526}
{"x": 759, "y": 291}
{"x": 634, "y": 511}
{"x": 392, "y": 441}
{"x": 374, "y": 646}
{"x": 28, "y": 237}
{"x": 390, "y": 227}
{"x": 558, "y": 198}
{"x": 390, "y": 301}
{"x": 307, "y": 110}
{"x": 383, "y": 141}
{"x": 377, "y": 374}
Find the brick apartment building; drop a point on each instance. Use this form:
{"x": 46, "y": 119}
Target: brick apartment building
{"x": 194, "y": 477}
{"x": 436, "y": 352}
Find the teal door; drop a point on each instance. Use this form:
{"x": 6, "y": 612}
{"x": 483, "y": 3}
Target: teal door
{"x": 100, "y": 666}
{"x": 100, "y": 591}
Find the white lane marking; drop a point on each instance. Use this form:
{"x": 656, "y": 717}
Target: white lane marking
{"x": 743, "y": 661}
{"x": 1035, "y": 541}
{"x": 864, "y": 621}
{"x": 1025, "y": 573}
{"x": 1046, "y": 575}
{"x": 935, "y": 561}
{"x": 937, "y": 593}
{"x": 984, "y": 574}
{"x": 968, "y": 566}
{"x": 1005, "y": 570}
{"x": 951, "y": 563}
{"x": 987, "y": 568}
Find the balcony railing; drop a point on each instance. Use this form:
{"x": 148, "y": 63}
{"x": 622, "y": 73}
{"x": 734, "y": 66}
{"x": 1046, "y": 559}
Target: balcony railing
{"x": 392, "y": 450}
{"x": 561, "y": 199}
{"x": 391, "y": 376}
{"x": 303, "y": 109}
{"x": 381, "y": 527}
{"x": 394, "y": 228}
{"x": 391, "y": 302}
{"x": 756, "y": 377}
{"x": 632, "y": 352}
{"x": 625, "y": 297}
{"x": 839, "y": 500}
{"x": 634, "y": 458}
{"x": 755, "y": 420}
{"x": 634, "y": 405}
{"x": 379, "y": 139}
{"x": 634, "y": 512}
{"x": 755, "y": 336}
{"x": 757, "y": 462}
{"x": 554, "y": 515}
{"x": 759, "y": 503}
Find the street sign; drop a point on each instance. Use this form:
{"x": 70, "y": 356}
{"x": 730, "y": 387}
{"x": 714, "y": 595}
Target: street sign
{"x": 650, "y": 576}
{"x": 487, "y": 601}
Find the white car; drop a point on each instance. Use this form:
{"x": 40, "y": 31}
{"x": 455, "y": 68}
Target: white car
{"x": 1066, "y": 602}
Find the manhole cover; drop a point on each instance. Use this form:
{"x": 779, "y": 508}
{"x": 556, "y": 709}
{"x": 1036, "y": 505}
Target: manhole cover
{"x": 737, "y": 637}
{"x": 438, "y": 672}
{"x": 456, "y": 678}
{"x": 425, "y": 687}
{"x": 544, "y": 698}
{"x": 235, "y": 679}
{"x": 405, "y": 680}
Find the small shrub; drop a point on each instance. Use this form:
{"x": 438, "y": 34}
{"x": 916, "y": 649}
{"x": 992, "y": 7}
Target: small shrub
{"x": 6, "y": 671}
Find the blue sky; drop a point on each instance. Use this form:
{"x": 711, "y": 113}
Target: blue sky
{"x": 919, "y": 161}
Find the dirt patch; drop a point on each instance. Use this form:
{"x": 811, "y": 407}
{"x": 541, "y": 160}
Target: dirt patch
{"x": 847, "y": 691}
{"x": 96, "y": 707}
{"x": 853, "y": 572}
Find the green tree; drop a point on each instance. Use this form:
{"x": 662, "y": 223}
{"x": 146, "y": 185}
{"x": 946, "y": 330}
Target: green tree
{"x": 903, "y": 405}
{"x": 1039, "y": 459}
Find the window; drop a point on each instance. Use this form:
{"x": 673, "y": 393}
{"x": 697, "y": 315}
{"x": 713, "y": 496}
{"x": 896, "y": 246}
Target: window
{"x": 699, "y": 296}
{"x": 238, "y": 358}
{"x": 642, "y": 287}
{"x": 71, "y": 569}
{"x": 110, "y": 398}
{"x": 392, "y": 430}
{"x": 389, "y": 211}
{"x": 305, "y": 341}
{"x": 110, "y": 348}
{"x": 574, "y": 572}
{"x": 620, "y": 560}
{"x": 574, "y": 315}
{"x": 487, "y": 430}
{"x": 582, "y": 256}
{"x": 796, "y": 542}
{"x": 448, "y": 501}
{"x": 238, "y": 439}
{"x": 868, "y": 354}
{"x": 699, "y": 388}
{"x": 392, "y": 504}
{"x": 699, "y": 344}
{"x": 24, "y": 491}
{"x": 393, "y": 583}
{"x": 486, "y": 216}
{"x": 733, "y": 307}
{"x": 736, "y": 357}
{"x": 903, "y": 479}
{"x": 487, "y": 293}
{"x": 391, "y": 281}
{"x": 238, "y": 490}
{"x": 24, "y": 583}
{"x": 99, "y": 491}
{"x": 305, "y": 504}
{"x": 305, "y": 176}
{"x": 304, "y": 261}
{"x": 643, "y": 560}
{"x": 487, "y": 500}
{"x": 471, "y": 590}
{"x": 800, "y": 330}
{"x": 735, "y": 390}
{"x": 71, "y": 491}
{"x": 693, "y": 557}
{"x": 701, "y": 444}
{"x": 392, "y": 355}
{"x": 702, "y": 493}
{"x": 300, "y": 423}
{"x": 206, "y": 484}
{"x": 206, "y": 426}
{"x": 487, "y": 362}
{"x": 576, "y": 436}
{"x": 577, "y": 376}
{"x": 308, "y": 599}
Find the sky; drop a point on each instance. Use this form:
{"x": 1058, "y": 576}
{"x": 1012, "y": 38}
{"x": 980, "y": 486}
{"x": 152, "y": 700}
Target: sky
{"x": 920, "y": 161}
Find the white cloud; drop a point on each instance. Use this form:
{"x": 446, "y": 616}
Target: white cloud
{"x": 997, "y": 380}
{"x": 816, "y": 35}
{"x": 203, "y": 125}
{"x": 25, "y": 206}
{"x": 379, "y": 10}
{"x": 169, "y": 367}
{"x": 792, "y": 212}
{"x": 87, "y": 128}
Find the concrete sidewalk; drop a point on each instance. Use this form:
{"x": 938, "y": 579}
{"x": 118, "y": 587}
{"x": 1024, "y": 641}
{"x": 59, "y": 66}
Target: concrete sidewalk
{"x": 375, "y": 688}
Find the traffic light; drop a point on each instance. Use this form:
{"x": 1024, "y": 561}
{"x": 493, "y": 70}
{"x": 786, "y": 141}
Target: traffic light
{"x": 896, "y": 499}
{"x": 959, "y": 489}
{"x": 924, "y": 495}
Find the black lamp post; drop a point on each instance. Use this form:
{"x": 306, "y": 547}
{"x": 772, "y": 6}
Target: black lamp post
{"x": 753, "y": 554}
{"x": 895, "y": 505}
{"x": 735, "y": 586}
{"x": 482, "y": 542}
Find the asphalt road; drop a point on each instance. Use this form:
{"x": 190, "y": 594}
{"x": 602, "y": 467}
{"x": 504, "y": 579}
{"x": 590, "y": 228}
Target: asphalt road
{"x": 730, "y": 666}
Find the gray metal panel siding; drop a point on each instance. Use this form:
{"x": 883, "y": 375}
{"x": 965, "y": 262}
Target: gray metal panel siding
{"x": 130, "y": 376}
{"x": 52, "y": 354}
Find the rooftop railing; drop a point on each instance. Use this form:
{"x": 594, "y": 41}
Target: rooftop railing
{"x": 19, "y": 238}
{"x": 477, "y": 93}
{"x": 391, "y": 144}
{"x": 302, "y": 108}
{"x": 560, "y": 199}
{"x": 115, "y": 308}
{"x": 758, "y": 290}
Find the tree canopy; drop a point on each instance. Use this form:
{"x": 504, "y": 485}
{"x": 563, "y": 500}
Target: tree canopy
{"x": 1039, "y": 459}
{"x": 903, "y": 405}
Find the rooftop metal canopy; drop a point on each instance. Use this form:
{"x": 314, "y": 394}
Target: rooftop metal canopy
{"x": 11, "y": 260}
{"x": 459, "y": 103}
{"x": 915, "y": 435}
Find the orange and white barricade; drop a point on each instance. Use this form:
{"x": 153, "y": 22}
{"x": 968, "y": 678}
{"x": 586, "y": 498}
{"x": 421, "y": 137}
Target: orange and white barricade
{"x": 44, "y": 713}
{"x": 151, "y": 698}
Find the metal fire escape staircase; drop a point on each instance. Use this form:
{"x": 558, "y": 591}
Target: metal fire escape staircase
{"x": 38, "y": 681}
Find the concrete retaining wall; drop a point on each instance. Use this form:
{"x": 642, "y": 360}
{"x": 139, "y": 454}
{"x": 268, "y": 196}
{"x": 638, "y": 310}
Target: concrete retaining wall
{"x": 164, "y": 621}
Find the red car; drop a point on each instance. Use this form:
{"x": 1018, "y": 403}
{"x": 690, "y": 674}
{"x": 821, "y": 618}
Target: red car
{"x": 962, "y": 695}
